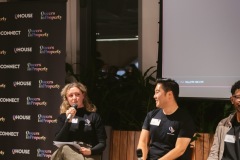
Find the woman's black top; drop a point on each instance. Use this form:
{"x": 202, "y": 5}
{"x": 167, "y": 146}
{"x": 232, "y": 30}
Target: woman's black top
{"x": 86, "y": 127}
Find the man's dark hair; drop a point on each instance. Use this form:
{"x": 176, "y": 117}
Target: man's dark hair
{"x": 235, "y": 86}
{"x": 169, "y": 85}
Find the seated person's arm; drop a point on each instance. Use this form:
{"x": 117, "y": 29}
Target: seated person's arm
{"x": 180, "y": 147}
{"x": 143, "y": 143}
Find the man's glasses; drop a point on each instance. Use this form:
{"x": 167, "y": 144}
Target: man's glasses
{"x": 236, "y": 96}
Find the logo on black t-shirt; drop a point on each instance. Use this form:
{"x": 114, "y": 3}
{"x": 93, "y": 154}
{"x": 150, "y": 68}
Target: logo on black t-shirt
{"x": 171, "y": 131}
{"x": 87, "y": 122}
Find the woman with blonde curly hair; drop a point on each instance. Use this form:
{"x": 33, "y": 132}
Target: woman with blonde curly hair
{"x": 65, "y": 104}
{"x": 78, "y": 121}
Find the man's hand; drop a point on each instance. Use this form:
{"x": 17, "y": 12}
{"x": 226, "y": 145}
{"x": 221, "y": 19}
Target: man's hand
{"x": 85, "y": 151}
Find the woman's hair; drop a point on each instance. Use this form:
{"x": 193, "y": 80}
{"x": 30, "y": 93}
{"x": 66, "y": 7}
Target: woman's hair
{"x": 86, "y": 102}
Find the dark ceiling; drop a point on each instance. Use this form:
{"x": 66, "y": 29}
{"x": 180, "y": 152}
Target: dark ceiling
{"x": 117, "y": 18}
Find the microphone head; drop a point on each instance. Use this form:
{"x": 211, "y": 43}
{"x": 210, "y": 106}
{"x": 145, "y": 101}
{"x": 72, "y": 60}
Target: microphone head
{"x": 75, "y": 106}
{"x": 139, "y": 153}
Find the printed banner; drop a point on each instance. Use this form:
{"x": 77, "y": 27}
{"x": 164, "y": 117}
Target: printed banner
{"x": 32, "y": 72}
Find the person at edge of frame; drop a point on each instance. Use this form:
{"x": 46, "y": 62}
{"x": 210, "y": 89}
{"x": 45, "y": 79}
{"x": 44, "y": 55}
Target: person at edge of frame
{"x": 226, "y": 142}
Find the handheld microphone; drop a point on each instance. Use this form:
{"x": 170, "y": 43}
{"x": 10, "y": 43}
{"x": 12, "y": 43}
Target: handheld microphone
{"x": 139, "y": 153}
{"x": 69, "y": 115}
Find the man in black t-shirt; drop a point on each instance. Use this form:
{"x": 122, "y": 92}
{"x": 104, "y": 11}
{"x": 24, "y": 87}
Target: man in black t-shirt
{"x": 167, "y": 130}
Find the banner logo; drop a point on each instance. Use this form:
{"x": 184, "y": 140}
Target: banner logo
{"x": 8, "y": 134}
{"x": 20, "y": 151}
{"x": 10, "y": 33}
{"x": 9, "y": 66}
{"x": 10, "y": 100}
{"x": 46, "y": 119}
{"x": 3, "y": 85}
{"x": 21, "y": 117}
{"x": 44, "y": 153}
{"x": 22, "y": 49}
{"x": 48, "y": 84}
{"x": 3, "y": 52}
{"x": 22, "y": 83}
{"x": 36, "y": 67}
{"x": 35, "y": 136}
{"x": 49, "y": 50}
{"x": 3, "y": 19}
{"x": 24, "y": 16}
{"x": 50, "y": 16}
{"x": 36, "y": 102}
{"x": 2, "y": 119}
{"x": 36, "y": 33}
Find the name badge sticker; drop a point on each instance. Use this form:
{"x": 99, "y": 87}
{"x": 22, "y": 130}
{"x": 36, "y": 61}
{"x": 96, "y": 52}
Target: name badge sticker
{"x": 155, "y": 122}
{"x": 74, "y": 120}
{"x": 230, "y": 138}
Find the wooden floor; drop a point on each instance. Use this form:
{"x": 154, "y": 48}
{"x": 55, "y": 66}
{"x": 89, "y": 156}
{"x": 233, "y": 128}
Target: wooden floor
{"x": 123, "y": 145}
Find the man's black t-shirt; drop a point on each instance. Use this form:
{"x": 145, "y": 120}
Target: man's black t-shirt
{"x": 165, "y": 129}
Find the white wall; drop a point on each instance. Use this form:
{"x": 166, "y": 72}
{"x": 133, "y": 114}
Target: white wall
{"x": 148, "y": 33}
{"x": 72, "y": 37}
